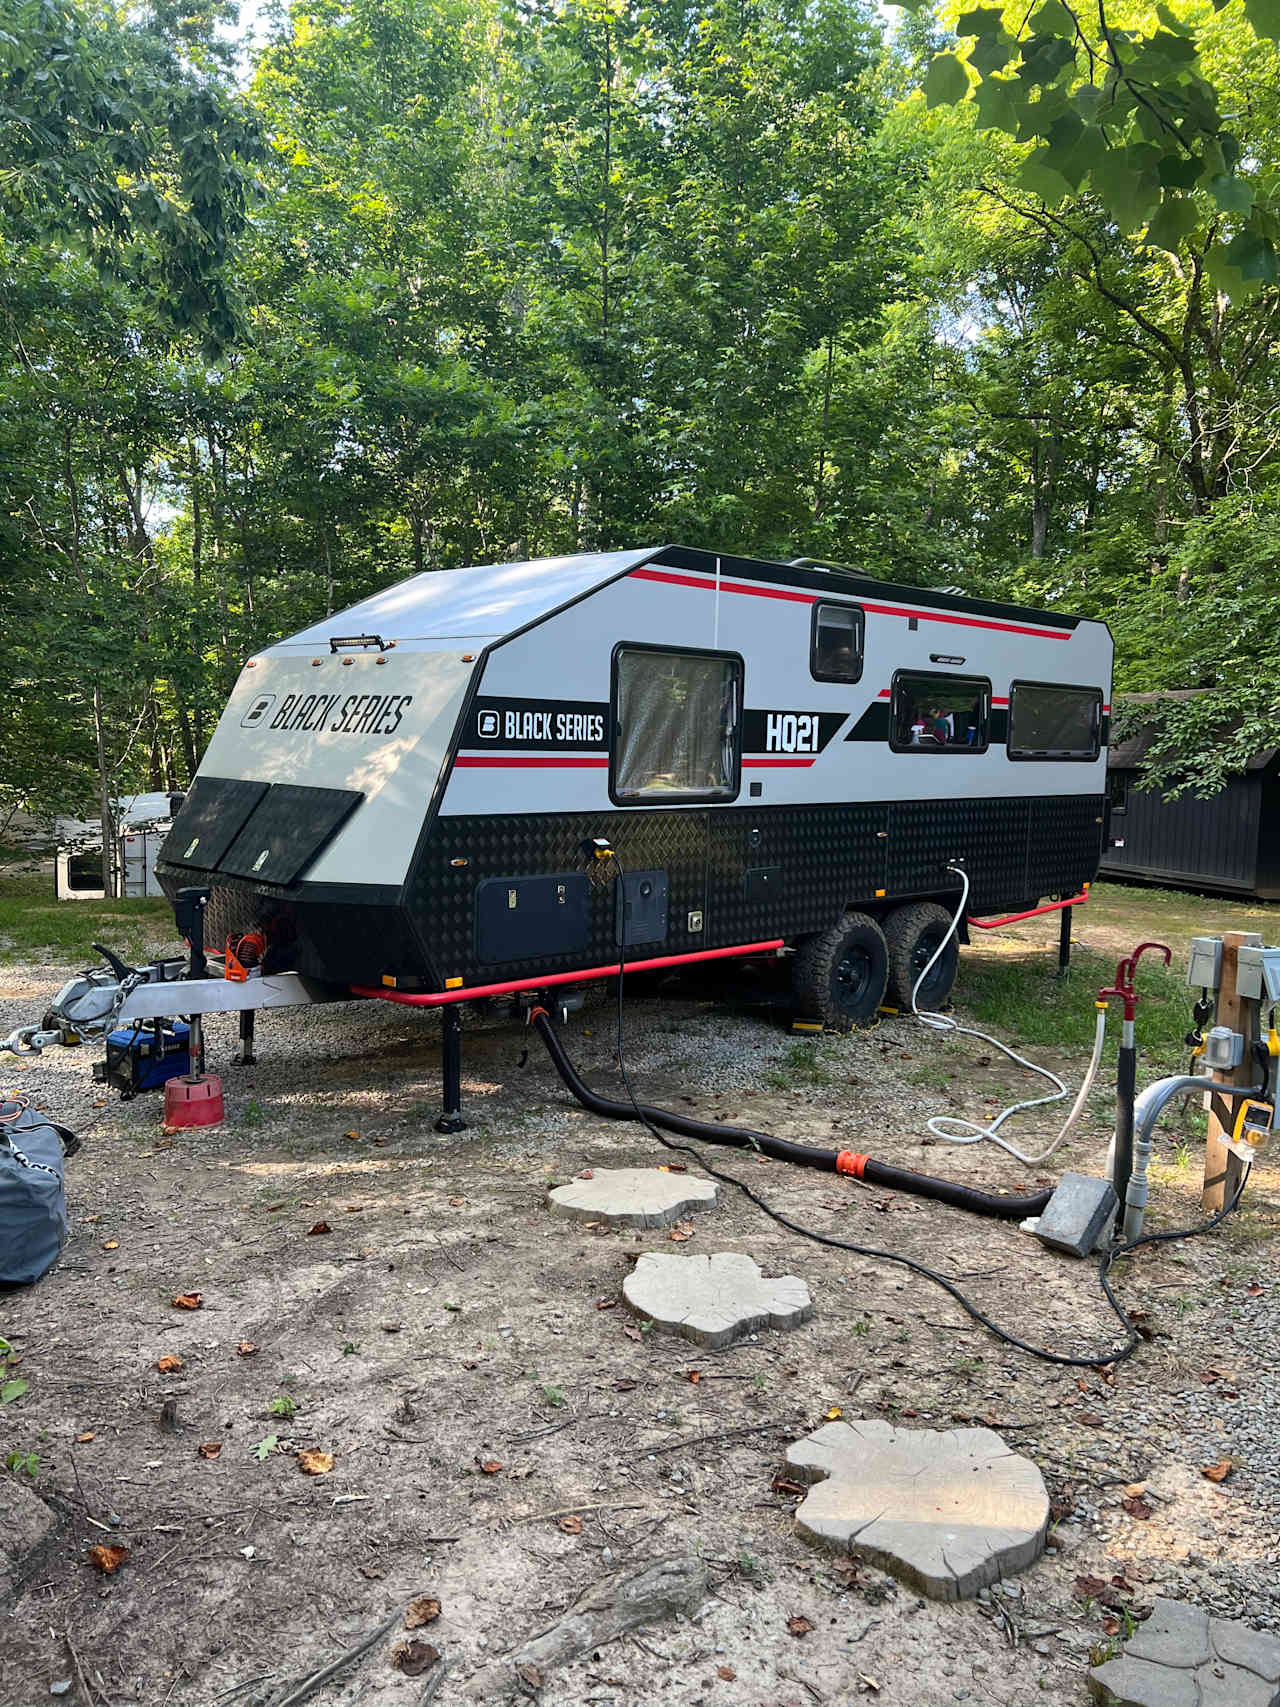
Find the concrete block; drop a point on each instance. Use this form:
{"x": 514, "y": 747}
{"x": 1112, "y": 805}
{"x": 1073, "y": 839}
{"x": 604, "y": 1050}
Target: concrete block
{"x": 1078, "y": 1213}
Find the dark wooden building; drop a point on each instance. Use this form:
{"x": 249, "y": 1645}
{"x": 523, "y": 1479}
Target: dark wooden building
{"x": 1230, "y": 841}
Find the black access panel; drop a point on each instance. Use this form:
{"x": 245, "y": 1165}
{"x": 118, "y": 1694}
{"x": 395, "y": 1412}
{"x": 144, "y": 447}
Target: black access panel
{"x": 525, "y": 918}
{"x": 288, "y": 830}
{"x": 210, "y": 819}
{"x": 641, "y": 908}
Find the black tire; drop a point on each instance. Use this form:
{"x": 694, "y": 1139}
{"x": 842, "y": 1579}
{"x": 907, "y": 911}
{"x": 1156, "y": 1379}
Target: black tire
{"x": 913, "y": 933}
{"x": 839, "y": 976}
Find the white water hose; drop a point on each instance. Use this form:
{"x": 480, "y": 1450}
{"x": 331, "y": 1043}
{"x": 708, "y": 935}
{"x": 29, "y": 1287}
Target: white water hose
{"x": 951, "y": 1129}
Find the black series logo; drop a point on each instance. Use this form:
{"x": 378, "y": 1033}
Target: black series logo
{"x": 257, "y": 711}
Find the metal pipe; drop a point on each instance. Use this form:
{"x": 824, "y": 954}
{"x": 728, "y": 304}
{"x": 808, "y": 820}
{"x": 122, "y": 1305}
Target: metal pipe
{"x": 1147, "y": 1110}
{"x": 451, "y": 1072}
{"x": 1126, "y": 1091}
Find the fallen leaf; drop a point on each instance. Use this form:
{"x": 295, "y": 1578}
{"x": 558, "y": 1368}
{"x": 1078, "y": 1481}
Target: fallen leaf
{"x": 1137, "y": 1508}
{"x": 189, "y": 1301}
{"x": 1217, "y": 1472}
{"x": 457, "y": 1202}
{"x": 1110, "y": 1626}
{"x": 210, "y": 1449}
{"x": 314, "y": 1463}
{"x": 606, "y": 1303}
{"x": 371, "y": 1572}
{"x": 845, "y": 1571}
{"x": 833, "y": 1413}
{"x": 111, "y": 1244}
{"x": 246, "y": 1348}
{"x": 84, "y": 1439}
{"x": 587, "y": 1173}
{"x": 415, "y": 1657}
{"x": 350, "y": 1134}
{"x": 572, "y": 1525}
{"x": 319, "y": 1227}
{"x": 865, "y": 1683}
{"x": 424, "y": 1610}
{"x": 354, "y": 1208}
{"x": 682, "y": 1231}
{"x": 490, "y": 1466}
{"x": 726, "y": 1674}
{"x": 633, "y": 1333}
{"x": 625, "y": 1385}
{"x": 392, "y": 1327}
{"x": 677, "y": 1167}
{"x": 531, "y": 1676}
{"x": 169, "y": 1364}
{"x": 1135, "y": 1490}
{"x": 107, "y": 1559}
{"x": 798, "y": 1626}
{"x": 1089, "y": 1419}
{"x": 1253, "y": 1289}
{"x": 781, "y": 1485}
{"x": 694, "y": 1375}
{"x": 1088, "y": 1588}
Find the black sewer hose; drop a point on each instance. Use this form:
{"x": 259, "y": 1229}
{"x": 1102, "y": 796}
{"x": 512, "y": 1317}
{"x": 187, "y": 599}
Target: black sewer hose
{"x": 782, "y": 1149}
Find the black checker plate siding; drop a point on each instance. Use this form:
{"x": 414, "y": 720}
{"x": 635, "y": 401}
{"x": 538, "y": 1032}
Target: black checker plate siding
{"x": 1065, "y": 840}
{"x": 990, "y": 836}
{"x": 439, "y": 895}
{"x": 1017, "y": 851}
{"x": 828, "y": 855}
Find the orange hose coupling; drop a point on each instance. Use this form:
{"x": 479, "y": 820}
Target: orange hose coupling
{"x": 849, "y": 1162}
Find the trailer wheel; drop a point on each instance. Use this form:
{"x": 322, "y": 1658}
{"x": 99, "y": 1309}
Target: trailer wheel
{"x": 913, "y": 934}
{"x": 839, "y": 976}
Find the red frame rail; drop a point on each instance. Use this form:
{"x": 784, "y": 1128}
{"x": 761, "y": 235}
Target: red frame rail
{"x": 1031, "y": 913}
{"x": 439, "y": 998}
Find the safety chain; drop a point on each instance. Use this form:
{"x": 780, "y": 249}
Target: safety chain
{"x": 31, "y": 1039}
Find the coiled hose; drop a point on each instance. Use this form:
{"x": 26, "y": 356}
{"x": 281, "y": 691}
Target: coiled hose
{"x": 782, "y": 1149}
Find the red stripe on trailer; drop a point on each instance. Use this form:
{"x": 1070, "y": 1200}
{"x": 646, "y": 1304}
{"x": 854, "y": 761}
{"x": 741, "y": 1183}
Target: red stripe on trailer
{"x": 1034, "y": 913}
{"x": 998, "y": 699}
{"x": 725, "y": 586}
{"x": 885, "y": 693}
{"x": 778, "y": 764}
{"x": 531, "y": 761}
{"x": 439, "y": 998}
{"x": 708, "y": 584}
{"x": 967, "y": 621}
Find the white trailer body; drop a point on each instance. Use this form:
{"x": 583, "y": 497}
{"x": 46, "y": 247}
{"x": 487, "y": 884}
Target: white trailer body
{"x": 399, "y": 795}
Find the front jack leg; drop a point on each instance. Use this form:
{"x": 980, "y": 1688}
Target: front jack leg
{"x": 247, "y": 1056}
{"x": 451, "y": 1070}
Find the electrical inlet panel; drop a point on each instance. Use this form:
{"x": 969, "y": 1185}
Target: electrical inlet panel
{"x": 641, "y": 908}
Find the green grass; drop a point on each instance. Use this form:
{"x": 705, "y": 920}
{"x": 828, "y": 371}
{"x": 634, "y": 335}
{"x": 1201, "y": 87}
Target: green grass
{"x": 802, "y": 1064}
{"x": 33, "y": 925}
{"x": 1019, "y": 996}
{"x": 1174, "y": 915}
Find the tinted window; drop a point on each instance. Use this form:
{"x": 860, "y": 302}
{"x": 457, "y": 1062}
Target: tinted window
{"x": 836, "y": 643}
{"x": 1118, "y": 793}
{"x": 676, "y": 725}
{"x": 1047, "y": 722}
{"x": 934, "y": 714}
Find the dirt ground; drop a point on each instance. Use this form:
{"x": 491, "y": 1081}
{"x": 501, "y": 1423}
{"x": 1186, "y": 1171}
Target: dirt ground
{"x": 415, "y": 1311}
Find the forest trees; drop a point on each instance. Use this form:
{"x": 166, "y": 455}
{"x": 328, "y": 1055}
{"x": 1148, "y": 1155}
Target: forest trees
{"x": 981, "y": 299}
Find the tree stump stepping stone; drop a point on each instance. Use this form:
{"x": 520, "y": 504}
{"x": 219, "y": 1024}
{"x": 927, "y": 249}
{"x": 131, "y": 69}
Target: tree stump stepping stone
{"x": 1181, "y": 1657}
{"x": 714, "y": 1300}
{"x": 632, "y": 1197}
{"x": 946, "y": 1512}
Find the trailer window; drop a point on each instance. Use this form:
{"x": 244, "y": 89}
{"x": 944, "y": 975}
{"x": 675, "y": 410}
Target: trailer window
{"x": 1118, "y": 793}
{"x": 934, "y": 714}
{"x": 677, "y": 725}
{"x": 1051, "y": 722}
{"x": 835, "y": 646}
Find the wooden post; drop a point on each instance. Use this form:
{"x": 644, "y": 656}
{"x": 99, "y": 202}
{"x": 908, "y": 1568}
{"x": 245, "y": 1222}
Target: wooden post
{"x": 1222, "y": 1170}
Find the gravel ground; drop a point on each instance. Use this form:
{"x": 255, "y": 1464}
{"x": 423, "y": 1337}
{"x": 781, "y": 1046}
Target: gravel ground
{"x": 448, "y": 1239}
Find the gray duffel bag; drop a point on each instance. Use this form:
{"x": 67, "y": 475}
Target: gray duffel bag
{"x": 33, "y": 1204}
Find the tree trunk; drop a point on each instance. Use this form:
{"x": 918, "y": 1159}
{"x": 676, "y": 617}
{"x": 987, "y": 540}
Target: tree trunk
{"x": 1044, "y": 476}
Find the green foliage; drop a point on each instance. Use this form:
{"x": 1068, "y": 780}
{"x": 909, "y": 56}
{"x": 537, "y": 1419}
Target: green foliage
{"x": 283, "y": 1406}
{"x": 23, "y": 1463}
